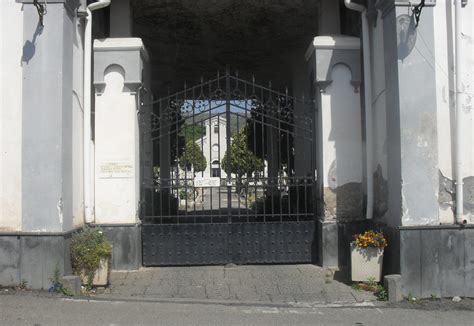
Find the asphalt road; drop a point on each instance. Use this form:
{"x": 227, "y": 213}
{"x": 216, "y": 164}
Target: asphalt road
{"x": 37, "y": 310}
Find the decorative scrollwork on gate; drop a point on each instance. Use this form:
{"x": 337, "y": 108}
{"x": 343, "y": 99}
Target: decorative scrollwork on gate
{"x": 229, "y": 150}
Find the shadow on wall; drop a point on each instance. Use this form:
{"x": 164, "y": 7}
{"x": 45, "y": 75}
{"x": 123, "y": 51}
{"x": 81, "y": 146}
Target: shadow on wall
{"x": 29, "y": 48}
{"x": 344, "y": 196}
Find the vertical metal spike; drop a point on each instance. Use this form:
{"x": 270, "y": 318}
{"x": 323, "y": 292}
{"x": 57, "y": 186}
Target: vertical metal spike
{"x": 237, "y": 73}
{"x": 218, "y": 74}
{"x": 184, "y": 84}
{"x": 286, "y": 90}
{"x": 253, "y": 79}
{"x": 202, "y": 79}
{"x": 227, "y": 70}
{"x": 270, "y": 84}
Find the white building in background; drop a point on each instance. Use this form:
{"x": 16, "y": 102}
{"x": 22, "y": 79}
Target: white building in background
{"x": 214, "y": 146}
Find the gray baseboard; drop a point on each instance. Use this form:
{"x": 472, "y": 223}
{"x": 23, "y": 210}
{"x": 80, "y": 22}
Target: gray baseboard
{"x": 33, "y": 259}
{"x": 127, "y": 245}
{"x": 334, "y": 241}
{"x": 437, "y": 261}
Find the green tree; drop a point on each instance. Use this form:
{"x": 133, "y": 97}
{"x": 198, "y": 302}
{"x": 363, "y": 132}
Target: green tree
{"x": 192, "y": 157}
{"x": 242, "y": 160}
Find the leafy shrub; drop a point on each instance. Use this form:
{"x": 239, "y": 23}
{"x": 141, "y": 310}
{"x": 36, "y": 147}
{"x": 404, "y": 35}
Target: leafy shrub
{"x": 88, "y": 247}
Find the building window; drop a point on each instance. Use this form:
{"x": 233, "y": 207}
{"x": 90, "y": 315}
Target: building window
{"x": 216, "y": 128}
{"x": 216, "y": 172}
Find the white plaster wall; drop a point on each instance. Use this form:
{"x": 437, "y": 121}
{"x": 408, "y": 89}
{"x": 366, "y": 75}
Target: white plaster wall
{"x": 378, "y": 98}
{"x": 77, "y": 127}
{"x": 379, "y": 119}
{"x": 116, "y": 140}
{"x": 341, "y": 123}
{"x": 443, "y": 62}
{"x": 11, "y": 38}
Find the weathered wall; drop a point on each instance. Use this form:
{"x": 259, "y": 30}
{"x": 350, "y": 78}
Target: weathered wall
{"x": 379, "y": 122}
{"x": 11, "y": 42}
{"x": 334, "y": 63}
{"x": 414, "y": 82}
{"x": 77, "y": 130}
{"x": 437, "y": 261}
{"x": 443, "y": 63}
{"x": 41, "y": 140}
{"x": 342, "y": 146}
{"x": 335, "y": 76}
{"x": 412, "y": 132}
{"x": 33, "y": 259}
{"x": 47, "y": 120}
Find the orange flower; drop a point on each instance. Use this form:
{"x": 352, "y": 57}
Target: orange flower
{"x": 370, "y": 239}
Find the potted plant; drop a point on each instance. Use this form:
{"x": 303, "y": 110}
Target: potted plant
{"x": 367, "y": 256}
{"x": 183, "y": 197}
{"x": 90, "y": 256}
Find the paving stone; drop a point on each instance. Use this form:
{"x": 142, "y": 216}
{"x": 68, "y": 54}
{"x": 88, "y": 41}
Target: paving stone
{"x": 276, "y": 283}
{"x": 362, "y": 296}
{"x": 339, "y": 297}
{"x": 163, "y": 289}
{"x": 218, "y": 292}
{"x": 282, "y": 298}
{"x": 193, "y": 292}
{"x": 289, "y": 288}
{"x": 310, "y": 298}
{"x": 267, "y": 288}
{"x": 249, "y": 297}
{"x": 116, "y": 276}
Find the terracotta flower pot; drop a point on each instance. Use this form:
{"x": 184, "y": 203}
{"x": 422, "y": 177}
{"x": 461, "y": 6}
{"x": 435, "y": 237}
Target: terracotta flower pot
{"x": 366, "y": 263}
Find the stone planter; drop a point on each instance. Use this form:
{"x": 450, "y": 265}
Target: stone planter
{"x": 366, "y": 263}
{"x": 101, "y": 275}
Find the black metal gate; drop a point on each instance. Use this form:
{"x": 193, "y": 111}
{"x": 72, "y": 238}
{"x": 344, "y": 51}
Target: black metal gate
{"x": 228, "y": 176}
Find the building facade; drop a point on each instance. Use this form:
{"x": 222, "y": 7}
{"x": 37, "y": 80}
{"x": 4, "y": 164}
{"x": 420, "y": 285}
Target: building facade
{"x": 391, "y": 89}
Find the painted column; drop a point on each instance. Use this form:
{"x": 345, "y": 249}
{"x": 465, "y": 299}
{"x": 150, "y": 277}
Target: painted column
{"x": 433, "y": 259}
{"x": 39, "y": 186}
{"x": 118, "y": 65}
{"x": 412, "y": 141}
{"x": 334, "y": 63}
{"x": 11, "y": 44}
{"x": 120, "y": 80}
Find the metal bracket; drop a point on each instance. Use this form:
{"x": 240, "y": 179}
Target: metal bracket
{"x": 42, "y": 10}
{"x": 81, "y": 13}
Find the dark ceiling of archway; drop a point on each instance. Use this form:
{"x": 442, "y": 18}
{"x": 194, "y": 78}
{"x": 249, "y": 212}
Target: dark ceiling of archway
{"x": 190, "y": 38}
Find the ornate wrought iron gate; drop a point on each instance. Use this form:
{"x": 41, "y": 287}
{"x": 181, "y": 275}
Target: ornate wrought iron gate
{"x": 228, "y": 176}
